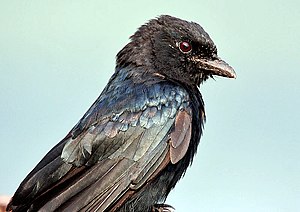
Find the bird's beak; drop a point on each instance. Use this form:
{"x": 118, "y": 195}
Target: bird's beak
{"x": 216, "y": 67}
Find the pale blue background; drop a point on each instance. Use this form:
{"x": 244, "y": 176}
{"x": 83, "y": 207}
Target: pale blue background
{"x": 56, "y": 57}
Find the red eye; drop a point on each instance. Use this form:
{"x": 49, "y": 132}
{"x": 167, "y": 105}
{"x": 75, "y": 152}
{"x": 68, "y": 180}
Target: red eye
{"x": 185, "y": 46}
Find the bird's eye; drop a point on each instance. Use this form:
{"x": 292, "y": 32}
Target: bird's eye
{"x": 185, "y": 47}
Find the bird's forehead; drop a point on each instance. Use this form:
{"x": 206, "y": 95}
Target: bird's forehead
{"x": 183, "y": 29}
{"x": 197, "y": 33}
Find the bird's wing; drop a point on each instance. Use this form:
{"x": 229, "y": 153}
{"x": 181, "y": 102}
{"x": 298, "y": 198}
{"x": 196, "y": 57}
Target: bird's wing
{"x": 122, "y": 142}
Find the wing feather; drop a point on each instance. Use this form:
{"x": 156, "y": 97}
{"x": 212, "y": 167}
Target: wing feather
{"x": 181, "y": 136}
{"x": 113, "y": 150}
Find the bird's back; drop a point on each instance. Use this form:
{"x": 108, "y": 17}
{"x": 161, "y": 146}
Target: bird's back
{"x": 119, "y": 156}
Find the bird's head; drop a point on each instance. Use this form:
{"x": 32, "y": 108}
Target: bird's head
{"x": 176, "y": 49}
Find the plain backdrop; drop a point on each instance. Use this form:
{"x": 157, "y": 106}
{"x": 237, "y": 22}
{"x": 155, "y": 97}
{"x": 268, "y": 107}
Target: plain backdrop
{"x": 56, "y": 57}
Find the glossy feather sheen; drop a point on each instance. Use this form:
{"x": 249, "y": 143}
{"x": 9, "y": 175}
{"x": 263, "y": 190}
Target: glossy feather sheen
{"x": 121, "y": 146}
{"x": 138, "y": 138}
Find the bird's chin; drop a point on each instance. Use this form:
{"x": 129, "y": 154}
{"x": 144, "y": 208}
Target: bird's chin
{"x": 201, "y": 77}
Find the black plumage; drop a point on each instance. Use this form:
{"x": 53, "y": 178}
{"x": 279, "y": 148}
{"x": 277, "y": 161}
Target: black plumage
{"x": 138, "y": 138}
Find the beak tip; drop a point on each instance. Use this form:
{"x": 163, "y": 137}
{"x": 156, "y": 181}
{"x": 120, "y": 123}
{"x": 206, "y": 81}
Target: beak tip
{"x": 232, "y": 74}
{"x": 226, "y": 70}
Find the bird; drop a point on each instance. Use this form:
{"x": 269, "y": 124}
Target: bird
{"x": 138, "y": 138}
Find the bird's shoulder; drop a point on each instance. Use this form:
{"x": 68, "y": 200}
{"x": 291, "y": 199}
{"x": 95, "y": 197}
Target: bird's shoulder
{"x": 130, "y": 105}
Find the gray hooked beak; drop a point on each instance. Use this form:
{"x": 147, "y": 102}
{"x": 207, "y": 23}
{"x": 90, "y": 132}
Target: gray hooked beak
{"x": 216, "y": 67}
